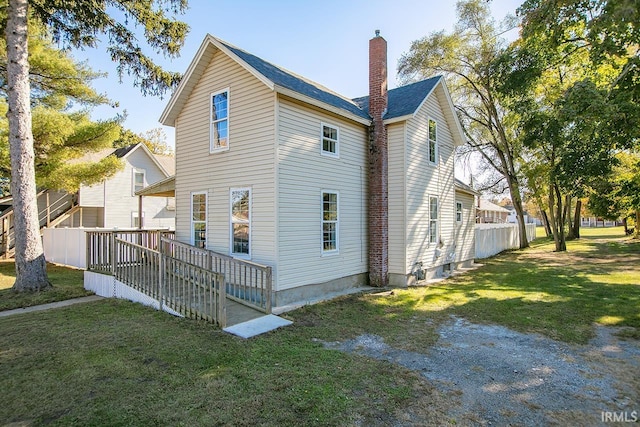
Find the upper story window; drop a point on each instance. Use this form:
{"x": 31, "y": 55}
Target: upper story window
{"x": 219, "y": 129}
{"x": 241, "y": 222}
{"x": 329, "y": 222}
{"x": 137, "y": 181}
{"x": 433, "y": 141}
{"x": 330, "y": 140}
{"x": 458, "y": 212}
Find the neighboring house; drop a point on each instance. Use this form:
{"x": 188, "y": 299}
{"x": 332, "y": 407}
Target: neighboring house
{"x": 332, "y": 193}
{"x": 593, "y": 221}
{"x": 488, "y": 212}
{"x": 113, "y": 204}
{"x": 512, "y": 217}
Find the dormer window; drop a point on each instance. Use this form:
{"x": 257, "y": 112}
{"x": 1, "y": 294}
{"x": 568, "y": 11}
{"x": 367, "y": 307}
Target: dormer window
{"x": 219, "y": 129}
{"x": 433, "y": 142}
{"x": 330, "y": 140}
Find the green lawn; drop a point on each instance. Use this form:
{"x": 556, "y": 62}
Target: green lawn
{"x": 66, "y": 281}
{"x": 119, "y": 363}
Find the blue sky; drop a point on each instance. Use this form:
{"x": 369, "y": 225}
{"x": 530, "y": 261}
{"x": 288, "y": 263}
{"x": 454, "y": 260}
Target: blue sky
{"x": 325, "y": 41}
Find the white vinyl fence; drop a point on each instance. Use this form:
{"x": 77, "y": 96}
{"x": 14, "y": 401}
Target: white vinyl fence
{"x": 491, "y": 239}
{"x": 68, "y": 246}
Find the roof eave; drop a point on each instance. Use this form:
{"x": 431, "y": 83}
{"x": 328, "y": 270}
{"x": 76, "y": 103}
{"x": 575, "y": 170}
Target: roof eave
{"x": 308, "y": 100}
{"x": 170, "y": 113}
{"x": 399, "y": 119}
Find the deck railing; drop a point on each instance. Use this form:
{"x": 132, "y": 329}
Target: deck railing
{"x": 101, "y": 245}
{"x": 246, "y": 282}
{"x": 192, "y": 281}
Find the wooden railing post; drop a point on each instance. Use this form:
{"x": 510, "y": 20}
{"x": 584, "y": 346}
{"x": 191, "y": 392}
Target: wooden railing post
{"x": 112, "y": 251}
{"x": 160, "y": 275}
{"x": 268, "y": 291}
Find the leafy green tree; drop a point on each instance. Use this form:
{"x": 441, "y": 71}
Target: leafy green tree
{"x": 618, "y": 193}
{"x": 583, "y": 105}
{"x": 77, "y": 23}
{"x": 467, "y": 57}
{"x": 60, "y": 135}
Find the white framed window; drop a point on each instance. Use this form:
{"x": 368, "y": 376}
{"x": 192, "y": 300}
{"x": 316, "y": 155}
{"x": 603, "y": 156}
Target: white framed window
{"x": 199, "y": 219}
{"x": 329, "y": 140}
{"x": 459, "y": 212}
{"x": 137, "y": 181}
{"x": 219, "y": 118}
{"x": 433, "y": 219}
{"x": 330, "y": 222}
{"x": 135, "y": 220}
{"x": 240, "y": 222}
{"x": 433, "y": 141}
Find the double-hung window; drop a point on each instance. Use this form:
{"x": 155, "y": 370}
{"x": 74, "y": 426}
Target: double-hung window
{"x": 219, "y": 130}
{"x": 329, "y": 222}
{"x": 199, "y": 219}
{"x": 433, "y": 219}
{"x": 330, "y": 140}
{"x": 433, "y": 142}
{"x": 240, "y": 199}
{"x": 137, "y": 183}
{"x": 459, "y": 212}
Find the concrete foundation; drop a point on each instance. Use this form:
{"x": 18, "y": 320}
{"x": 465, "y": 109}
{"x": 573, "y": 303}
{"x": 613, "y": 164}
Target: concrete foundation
{"x": 308, "y": 294}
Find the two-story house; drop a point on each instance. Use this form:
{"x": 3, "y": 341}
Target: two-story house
{"x": 331, "y": 192}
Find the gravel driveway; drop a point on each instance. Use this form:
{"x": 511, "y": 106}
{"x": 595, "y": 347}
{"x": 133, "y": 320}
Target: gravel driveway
{"x": 503, "y": 377}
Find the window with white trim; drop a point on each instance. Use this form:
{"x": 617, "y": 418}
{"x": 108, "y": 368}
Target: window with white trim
{"x": 199, "y": 219}
{"x": 330, "y": 140}
{"x": 137, "y": 181}
{"x": 219, "y": 130}
{"x": 330, "y": 222}
{"x": 135, "y": 220}
{"x": 240, "y": 200}
{"x": 433, "y": 141}
{"x": 458, "y": 212}
{"x": 433, "y": 219}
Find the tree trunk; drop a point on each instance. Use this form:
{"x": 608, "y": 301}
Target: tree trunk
{"x": 576, "y": 219}
{"x": 557, "y": 221}
{"x": 514, "y": 190}
{"x": 626, "y": 227}
{"x": 31, "y": 268}
{"x": 636, "y": 233}
{"x": 545, "y": 223}
{"x": 570, "y": 234}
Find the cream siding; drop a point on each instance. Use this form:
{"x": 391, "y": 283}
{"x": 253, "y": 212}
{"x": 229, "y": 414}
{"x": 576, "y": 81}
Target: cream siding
{"x": 303, "y": 173}
{"x": 424, "y": 180}
{"x": 397, "y": 199}
{"x": 91, "y": 196}
{"x": 249, "y": 162}
{"x": 465, "y": 230}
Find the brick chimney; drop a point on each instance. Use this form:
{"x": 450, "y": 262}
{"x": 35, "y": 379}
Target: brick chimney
{"x": 378, "y": 165}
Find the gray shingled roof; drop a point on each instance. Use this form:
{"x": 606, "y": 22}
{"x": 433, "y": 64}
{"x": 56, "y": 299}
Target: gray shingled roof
{"x": 290, "y": 81}
{"x": 403, "y": 100}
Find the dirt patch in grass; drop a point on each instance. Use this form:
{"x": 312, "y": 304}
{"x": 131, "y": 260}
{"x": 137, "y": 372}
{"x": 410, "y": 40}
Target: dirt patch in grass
{"x": 503, "y": 377}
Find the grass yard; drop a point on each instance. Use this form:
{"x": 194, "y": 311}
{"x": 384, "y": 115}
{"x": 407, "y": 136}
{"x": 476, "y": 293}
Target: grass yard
{"x": 67, "y": 283}
{"x": 118, "y": 363}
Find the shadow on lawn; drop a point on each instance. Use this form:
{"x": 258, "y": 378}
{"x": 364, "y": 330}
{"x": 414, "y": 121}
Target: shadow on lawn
{"x": 560, "y": 295}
